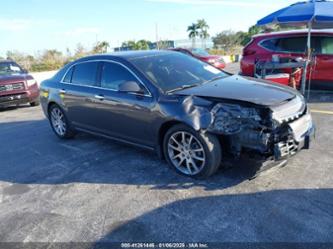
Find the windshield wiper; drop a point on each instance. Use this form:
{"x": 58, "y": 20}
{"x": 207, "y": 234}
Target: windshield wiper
{"x": 182, "y": 88}
{"x": 199, "y": 84}
{"x": 214, "y": 79}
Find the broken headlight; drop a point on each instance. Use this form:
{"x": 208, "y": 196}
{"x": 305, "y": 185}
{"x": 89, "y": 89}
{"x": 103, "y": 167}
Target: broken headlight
{"x": 230, "y": 119}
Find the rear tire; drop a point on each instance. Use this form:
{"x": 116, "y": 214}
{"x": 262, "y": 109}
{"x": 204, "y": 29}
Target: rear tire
{"x": 35, "y": 103}
{"x": 192, "y": 153}
{"x": 59, "y": 123}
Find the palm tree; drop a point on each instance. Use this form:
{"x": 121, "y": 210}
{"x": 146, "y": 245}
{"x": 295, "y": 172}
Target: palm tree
{"x": 203, "y": 31}
{"x": 193, "y": 32}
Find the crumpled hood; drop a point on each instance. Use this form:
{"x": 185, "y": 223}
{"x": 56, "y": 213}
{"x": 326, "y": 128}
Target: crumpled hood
{"x": 245, "y": 89}
{"x": 5, "y": 79}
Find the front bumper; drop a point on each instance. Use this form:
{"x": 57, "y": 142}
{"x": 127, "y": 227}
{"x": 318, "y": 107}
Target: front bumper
{"x": 20, "y": 98}
{"x": 302, "y": 132}
{"x": 284, "y": 150}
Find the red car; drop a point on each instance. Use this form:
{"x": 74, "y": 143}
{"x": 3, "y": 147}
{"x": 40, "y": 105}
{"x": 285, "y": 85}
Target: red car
{"x": 201, "y": 54}
{"x": 16, "y": 85}
{"x": 292, "y": 44}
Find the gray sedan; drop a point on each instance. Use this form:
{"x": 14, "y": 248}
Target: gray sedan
{"x": 190, "y": 113}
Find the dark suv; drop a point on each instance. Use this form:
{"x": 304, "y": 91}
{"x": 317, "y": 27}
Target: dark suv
{"x": 16, "y": 85}
{"x": 189, "y": 112}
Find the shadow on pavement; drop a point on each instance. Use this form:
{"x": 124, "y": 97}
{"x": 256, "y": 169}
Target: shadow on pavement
{"x": 13, "y": 107}
{"x": 32, "y": 154}
{"x": 303, "y": 215}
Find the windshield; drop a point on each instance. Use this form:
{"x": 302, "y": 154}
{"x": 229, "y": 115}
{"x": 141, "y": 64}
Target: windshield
{"x": 174, "y": 71}
{"x": 9, "y": 68}
{"x": 199, "y": 52}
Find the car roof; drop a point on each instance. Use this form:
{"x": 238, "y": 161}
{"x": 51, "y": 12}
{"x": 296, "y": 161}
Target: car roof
{"x": 180, "y": 48}
{"x": 123, "y": 56}
{"x": 6, "y": 61}
{"x": 292, "y": 32}
{"x": 128, "y": 55}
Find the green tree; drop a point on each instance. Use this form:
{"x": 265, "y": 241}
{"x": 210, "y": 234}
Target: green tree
{"x": 101, "y": 47}
{"x": 131, "y": 45}
{"x": 253, "y": 30}
{"x": 142, "y": 45}
{"x": 48, "y": 60}
{"x": 79, "y": 52}
{"x": 52, "y": 57}
{"x": 24, "y": 60}
{"x": 229, "y": 41}
{"x": 193, "y": 32}
{"x": 139, "y": 45}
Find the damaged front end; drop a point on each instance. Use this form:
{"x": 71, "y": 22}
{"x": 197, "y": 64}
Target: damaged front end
{"x": 244, "y": 127}
{"x": 276, "y": 132}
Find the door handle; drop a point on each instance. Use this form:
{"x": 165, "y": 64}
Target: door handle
{"x": 99, "y": 97}
{"x": 62, "y": 91}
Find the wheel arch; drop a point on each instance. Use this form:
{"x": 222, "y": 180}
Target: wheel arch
{"x": 161, "y": 133}
{"x": 50, "y": 104}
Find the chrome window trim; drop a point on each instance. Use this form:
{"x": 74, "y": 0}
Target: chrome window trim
{"x": 103, "y": 88}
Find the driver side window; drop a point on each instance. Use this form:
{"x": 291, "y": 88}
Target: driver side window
{"x": 114, "y": 74}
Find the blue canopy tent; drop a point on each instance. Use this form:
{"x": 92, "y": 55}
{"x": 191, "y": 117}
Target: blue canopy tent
{"x": 315, "y": 14}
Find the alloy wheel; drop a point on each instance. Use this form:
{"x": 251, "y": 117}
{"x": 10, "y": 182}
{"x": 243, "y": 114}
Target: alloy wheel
{"x": 186, "y": 153}
{"x": 58, "y": 121}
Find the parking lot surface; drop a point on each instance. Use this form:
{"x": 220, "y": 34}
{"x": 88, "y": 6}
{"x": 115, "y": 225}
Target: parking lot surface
{"x": 96, "y": 190}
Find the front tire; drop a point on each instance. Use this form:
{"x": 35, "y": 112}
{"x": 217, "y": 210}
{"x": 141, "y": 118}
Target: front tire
{"x": 59, "y": 123}
{"x": 35, "y": 103}
{"x": 192, "y": 153}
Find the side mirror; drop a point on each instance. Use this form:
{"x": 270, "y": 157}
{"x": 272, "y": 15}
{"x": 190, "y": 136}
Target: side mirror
{"x": 131, "y": 87}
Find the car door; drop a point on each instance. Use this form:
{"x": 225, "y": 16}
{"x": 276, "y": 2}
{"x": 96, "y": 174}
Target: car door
{"x": 323, "y": 73}
{"x": 78, "y": 93}
{"x": 123, "y": 115}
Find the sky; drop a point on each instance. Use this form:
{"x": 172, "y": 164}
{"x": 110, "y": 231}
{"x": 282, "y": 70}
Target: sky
{"x": 30, "y": 26}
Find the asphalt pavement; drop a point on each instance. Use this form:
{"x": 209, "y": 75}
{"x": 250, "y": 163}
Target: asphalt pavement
{"x": 92, "y": 189}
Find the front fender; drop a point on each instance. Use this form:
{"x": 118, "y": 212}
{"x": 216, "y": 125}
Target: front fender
{"x": 192, "y": 111}
{"x": 50, "y": 95}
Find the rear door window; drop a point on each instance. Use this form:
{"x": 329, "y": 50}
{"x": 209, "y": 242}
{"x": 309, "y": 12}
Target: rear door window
{"x": 270, "y": 44}
{"x": 288, "y": 45}
{"x": 68, "y": 76}
{"x": 292, "y": 44}
{"x": 85, "y": 74}
{"x": 327, "y": 45}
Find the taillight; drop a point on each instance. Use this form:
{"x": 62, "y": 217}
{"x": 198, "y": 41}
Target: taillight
{"x": 247, "y": 52}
